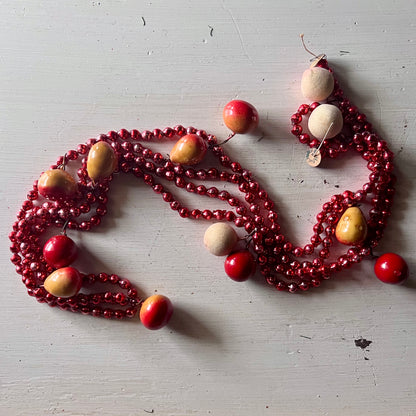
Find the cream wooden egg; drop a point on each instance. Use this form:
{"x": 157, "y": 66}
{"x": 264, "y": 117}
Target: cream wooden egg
{"x": 317, "y": 84}
{"x": 325, "y": 121}
{"x": 220, "y": 238}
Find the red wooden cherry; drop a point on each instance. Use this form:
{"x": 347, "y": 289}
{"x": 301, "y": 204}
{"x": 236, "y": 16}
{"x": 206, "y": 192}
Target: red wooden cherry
{"x": 240, "y": 116}
{"x": 60, "y": 251}
{"x": 156, "y": 312}
{"x": 240, "y": 265}
{"x": 391, "y": 268}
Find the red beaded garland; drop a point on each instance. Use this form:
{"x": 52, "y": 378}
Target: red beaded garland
{"x": 250, "y": 208}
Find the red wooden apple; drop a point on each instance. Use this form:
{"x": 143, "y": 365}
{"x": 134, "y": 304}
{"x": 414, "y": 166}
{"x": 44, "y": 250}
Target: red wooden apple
{"x": 156, "y": 312}
{"x": 57, "y": 184}
{"x": 64, "y": 282}
{"x": 240, "y": 116}
{"x": 188, "y": 150}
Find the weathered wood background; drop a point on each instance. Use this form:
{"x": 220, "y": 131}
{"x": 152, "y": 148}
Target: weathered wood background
{"x": 72, "y": 70}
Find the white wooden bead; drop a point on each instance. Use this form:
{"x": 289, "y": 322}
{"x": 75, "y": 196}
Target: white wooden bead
{"x": 317, "y": 84}
{"x": 320, "y": 120}
{"x": 220, "y": 238}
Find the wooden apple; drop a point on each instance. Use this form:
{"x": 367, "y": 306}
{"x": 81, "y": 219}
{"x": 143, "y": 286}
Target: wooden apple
{"x": 156, "y": 312}
{"x": 240, "y": 116}
{"x": 64, "y": 282}
{"x": 188, "y": 150}
{"x": 57, "y": 184}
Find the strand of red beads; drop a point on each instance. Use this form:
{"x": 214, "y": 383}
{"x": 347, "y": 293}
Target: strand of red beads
{"x": 57, "y": 200}
{"x": 358, "y": 135}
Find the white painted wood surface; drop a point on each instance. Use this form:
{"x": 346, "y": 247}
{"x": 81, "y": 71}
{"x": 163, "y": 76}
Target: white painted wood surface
{"x": 73, "y": 70}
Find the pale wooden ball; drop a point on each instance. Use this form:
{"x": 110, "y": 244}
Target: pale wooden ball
{"x": 320, "y": 120}
{"x": 317, "y": 84}
{"x": 220, "y": 238}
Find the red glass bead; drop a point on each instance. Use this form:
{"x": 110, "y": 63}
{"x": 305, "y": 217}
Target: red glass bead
{"x": 175, "y": 205}
{"x": 212, "y": 192}
{"x": 293, "y": 287}
{"x": 160, "y": 171}
{"x": 314, "y": 143}
{"x": 316, "y": 282}
{"x": 124, "y": 284}
{"x": 304, "y": 138}
{"x": 180, "y": 182}
{"x": 230, "y": 216}
{"x": 296, "y": 118}
{"x": 281, "y": 286}
{"x": 297, "y": 130}
{"x": 130, "y": 312}
{"x": 167, "y": 197}
{"x": 207, "y": 214}
{"x": 196, "y": 213}
{"x": 201, "y": 190}
{"x": 303, "y": 109}
{"x": 184, "y": 212}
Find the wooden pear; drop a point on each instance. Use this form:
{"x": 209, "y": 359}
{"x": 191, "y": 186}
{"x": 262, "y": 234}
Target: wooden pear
{"x": 352, "y": 227}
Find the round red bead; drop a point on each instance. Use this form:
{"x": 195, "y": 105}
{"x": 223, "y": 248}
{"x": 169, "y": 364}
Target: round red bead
{"x": 240, "y": 265}
{"x": 391, "y": 268}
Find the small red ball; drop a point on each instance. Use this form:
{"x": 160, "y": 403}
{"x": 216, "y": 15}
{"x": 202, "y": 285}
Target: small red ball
{"x": 156, "y": 312}
{"x": 391, "y": 268}
{"x": 240, "y": 265}
{"x": 240, "y": 116}
{"x": 60, "y": 251}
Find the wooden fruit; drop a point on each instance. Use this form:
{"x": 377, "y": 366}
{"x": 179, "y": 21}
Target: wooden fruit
{"x": 57, "y": 184}
{"x": 240, "y": 116}
{"x": 352, "y": 227}
{"x": 189, "y": 150}
{"x": 60, "y": 251}
{"x": 156, "y": 312}
{"x": 101, "y": 162}
{"x": 64, "y": 282}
